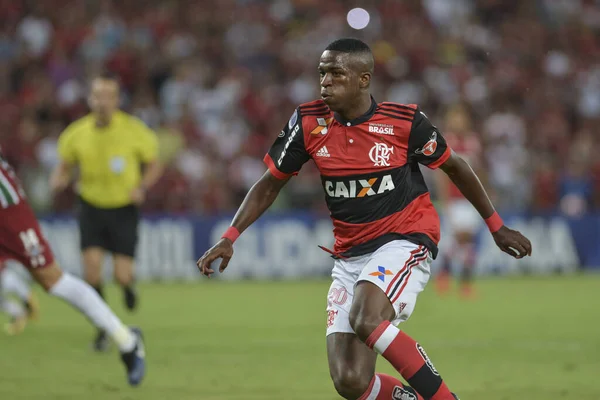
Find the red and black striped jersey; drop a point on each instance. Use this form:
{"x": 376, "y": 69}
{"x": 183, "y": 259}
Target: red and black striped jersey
{"x": 369, "y": 170}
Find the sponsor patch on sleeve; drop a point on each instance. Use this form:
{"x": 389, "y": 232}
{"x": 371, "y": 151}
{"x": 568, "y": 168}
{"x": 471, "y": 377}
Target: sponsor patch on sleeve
{"x": 293, "y": 119}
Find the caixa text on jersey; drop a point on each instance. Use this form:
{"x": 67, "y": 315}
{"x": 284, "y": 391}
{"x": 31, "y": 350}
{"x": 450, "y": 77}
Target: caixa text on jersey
{"x": 359, "y": 188}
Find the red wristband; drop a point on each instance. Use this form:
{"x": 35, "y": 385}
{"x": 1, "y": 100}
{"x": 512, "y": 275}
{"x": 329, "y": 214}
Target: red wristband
{"x": 231, "y": 233}
{"x": 494, "y": 222}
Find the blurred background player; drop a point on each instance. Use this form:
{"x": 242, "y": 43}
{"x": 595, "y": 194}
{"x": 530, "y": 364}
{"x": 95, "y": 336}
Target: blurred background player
{"x": 16, "y": 299}
{"x": 21, "y": 239}
{"x": 462, "y": 220}
{"x": 110, "y": 148}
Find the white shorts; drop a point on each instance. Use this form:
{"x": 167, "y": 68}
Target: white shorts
{"x": 400, "y": 268}
{"x": 463, "y": 217}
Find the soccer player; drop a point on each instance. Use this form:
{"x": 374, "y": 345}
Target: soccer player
{"x": 21, "y": 239}
{"x": 386, "y": 229}
{"x": 110, "y": 148}
{"x": 463, "y": 220}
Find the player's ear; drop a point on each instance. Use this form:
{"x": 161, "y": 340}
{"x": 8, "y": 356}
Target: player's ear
{"x": 364, "y": 80}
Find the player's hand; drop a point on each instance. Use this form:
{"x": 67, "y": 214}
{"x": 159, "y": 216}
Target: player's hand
{"x": 138, "y": 196}
{"x": 512, "y": 242}
{"x": 223, "y": 250}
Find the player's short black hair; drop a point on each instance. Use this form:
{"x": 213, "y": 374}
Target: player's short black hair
{"x": 349, "y": 45}
{"x": 357, "y": 48}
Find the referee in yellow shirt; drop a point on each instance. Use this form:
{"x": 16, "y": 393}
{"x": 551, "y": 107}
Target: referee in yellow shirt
{"x": 116, "y": 155}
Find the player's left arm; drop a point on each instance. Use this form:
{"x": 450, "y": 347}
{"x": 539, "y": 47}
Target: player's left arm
{"x": 428, "y": 146}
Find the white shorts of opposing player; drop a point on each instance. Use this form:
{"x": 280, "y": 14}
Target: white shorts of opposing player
{"x": 401, "y": 269}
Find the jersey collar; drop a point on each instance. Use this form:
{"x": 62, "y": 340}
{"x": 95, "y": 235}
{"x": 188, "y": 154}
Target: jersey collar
{"x": 359, "y": 120}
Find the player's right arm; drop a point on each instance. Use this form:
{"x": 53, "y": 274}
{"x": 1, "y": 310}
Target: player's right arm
{"x": 257, "y": 201}
{"x": 284, "y": 159}
{"x": 62, "y": 174}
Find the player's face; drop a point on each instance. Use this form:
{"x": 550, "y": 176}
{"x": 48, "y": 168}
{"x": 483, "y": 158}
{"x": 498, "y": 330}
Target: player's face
{"x": 104, "y": 97}
{"x": 340, "y": 83}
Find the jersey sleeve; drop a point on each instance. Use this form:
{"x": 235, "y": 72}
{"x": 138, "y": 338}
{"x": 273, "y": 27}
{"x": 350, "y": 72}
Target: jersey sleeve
{"x": 426, "y": 144}
{"x": 66, "y": 147}
{"x": 288, "y": 153}
{"x": 147, "y": 143}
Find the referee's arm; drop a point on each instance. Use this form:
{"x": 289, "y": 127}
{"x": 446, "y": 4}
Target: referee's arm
{"x": 153, "y": 169}
{"x": 152, "y": 172}
{"x": 62, "y": 174}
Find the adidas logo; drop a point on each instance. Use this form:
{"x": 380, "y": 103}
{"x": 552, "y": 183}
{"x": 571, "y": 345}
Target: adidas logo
{"x": 323, "y": 152}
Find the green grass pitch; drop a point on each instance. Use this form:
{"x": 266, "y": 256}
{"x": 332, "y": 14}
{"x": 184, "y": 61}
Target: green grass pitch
{"x": 525, "y": 338}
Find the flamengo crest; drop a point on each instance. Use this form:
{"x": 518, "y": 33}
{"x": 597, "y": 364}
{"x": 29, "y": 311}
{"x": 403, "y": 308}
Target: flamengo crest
{"x": 380, "y": 154}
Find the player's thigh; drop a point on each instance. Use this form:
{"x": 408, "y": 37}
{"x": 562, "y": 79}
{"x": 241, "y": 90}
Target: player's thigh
{"x": 401, "y": 270}
{"x": 123, "y": 231}
{"x": 351, "y": 362}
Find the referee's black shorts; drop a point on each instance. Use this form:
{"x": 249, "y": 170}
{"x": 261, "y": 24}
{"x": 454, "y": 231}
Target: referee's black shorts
{"x": 113, "y": 229}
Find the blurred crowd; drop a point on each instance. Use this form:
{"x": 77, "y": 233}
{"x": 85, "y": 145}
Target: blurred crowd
{"x": 218, "y": 79}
